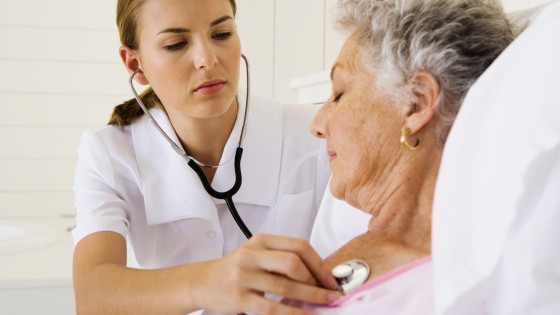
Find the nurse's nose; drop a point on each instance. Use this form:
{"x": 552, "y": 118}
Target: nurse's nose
{"x": 204, "y": 56}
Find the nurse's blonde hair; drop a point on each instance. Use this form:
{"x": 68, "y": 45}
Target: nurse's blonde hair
{"x": 127, "y": 24}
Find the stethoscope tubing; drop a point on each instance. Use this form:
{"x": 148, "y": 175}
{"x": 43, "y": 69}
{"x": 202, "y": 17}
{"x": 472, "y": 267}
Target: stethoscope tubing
{"x": 237, "y": 218}
{"x": 227, "y": 195}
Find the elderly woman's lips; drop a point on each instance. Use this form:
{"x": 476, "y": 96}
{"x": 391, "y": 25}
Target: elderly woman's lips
{"x": 331, "y": 154}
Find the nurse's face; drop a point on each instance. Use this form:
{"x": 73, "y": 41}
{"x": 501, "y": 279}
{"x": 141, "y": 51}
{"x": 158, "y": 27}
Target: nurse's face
{"x": 189, "y": 52}
{"x": 361, "y": 127}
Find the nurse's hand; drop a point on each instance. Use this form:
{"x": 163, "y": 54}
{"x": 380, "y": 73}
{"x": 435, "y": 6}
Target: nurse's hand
{"x": 282, "y": 266}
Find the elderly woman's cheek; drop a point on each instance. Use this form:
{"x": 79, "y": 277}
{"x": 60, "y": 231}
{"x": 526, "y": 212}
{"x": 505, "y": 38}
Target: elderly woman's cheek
{"x": 350, "y": 169}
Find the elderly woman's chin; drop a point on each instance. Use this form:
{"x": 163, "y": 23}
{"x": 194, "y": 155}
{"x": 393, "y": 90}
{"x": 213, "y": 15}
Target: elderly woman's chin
{"x": 336, "y": 186}
{"x": 340, "y": 190}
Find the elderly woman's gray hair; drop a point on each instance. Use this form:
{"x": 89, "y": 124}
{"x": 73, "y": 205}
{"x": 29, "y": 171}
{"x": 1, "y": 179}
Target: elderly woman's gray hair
{"x": 454, "y": 40}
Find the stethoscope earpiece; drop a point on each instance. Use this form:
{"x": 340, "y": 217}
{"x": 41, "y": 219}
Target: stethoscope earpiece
{"x": 351, "y": 274}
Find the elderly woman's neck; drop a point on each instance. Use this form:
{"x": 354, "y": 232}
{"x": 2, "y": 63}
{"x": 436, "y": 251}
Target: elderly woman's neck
{"x": 402, "y": 208}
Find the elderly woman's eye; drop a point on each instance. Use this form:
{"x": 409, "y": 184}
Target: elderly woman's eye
{"x": 337, "y": 98}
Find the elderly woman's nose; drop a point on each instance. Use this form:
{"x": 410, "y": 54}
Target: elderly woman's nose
{"x": 318, "y": 124}
{"x": 204, "y": 56}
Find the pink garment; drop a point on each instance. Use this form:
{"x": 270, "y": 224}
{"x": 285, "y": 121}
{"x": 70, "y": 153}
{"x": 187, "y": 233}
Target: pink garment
{"x": 406, "y": 290}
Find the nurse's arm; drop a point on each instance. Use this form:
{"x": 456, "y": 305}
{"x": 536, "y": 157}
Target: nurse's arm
{"x": 104, "y": 285}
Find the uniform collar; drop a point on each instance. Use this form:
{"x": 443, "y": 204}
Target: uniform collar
{"x": 171, "y": 189}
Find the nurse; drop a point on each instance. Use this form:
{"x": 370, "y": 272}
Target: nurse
{"x": 149, "y": 239}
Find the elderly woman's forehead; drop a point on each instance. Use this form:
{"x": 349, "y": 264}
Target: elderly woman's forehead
{"x": 350, "y": 55}
{"x": 355, "y": 41}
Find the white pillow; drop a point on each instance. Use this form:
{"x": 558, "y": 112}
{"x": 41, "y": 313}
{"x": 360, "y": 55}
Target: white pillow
{"x": 497, "y": 202}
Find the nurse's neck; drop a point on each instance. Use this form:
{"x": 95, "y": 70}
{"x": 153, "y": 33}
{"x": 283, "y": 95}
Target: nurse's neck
{"x": 205, "y": 138}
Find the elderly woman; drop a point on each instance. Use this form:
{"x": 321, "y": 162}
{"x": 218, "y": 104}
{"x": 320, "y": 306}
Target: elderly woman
{"x": 397, "y": 85}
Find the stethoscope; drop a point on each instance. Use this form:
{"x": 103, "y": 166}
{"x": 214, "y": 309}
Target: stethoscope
{"x": 349, "y": 275}
{"x": 196, "y": 165}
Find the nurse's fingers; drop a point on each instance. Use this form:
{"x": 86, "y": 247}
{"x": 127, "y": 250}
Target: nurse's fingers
{"x": 283, "y": 263}
{"x": 313, "y": 262}
{"x": 289, "y": 289}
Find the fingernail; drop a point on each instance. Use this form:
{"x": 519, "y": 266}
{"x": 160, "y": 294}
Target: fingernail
{"x": 334, "y": 296}
{"x": 331, "y": 281}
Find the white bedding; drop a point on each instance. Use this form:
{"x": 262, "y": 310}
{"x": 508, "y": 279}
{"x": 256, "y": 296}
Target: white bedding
{"x": 496, "y": 227}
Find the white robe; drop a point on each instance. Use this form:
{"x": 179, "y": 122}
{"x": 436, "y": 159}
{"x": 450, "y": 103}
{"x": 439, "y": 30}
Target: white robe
{"x": 130, "y": 181}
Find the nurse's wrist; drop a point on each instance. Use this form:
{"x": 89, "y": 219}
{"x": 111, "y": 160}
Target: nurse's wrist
{"x": 195, "y": 291}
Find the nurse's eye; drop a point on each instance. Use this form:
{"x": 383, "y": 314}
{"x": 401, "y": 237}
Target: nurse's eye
{"x": 222, "y": 35}
{"x": 176, "y": 46}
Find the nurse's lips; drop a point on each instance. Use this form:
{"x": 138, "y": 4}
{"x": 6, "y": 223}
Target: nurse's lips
{"x": 210, "y": 87}
{"x": 331, "y": 154}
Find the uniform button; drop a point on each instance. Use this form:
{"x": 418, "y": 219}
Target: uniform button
{"x": 211, "y": 234}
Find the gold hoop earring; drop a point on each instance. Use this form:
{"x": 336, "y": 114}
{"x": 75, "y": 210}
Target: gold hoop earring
{"x": 406, "y": 131}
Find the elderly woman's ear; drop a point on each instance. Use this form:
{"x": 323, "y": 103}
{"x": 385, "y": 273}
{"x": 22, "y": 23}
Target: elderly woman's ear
{"x": 425, "y": 92}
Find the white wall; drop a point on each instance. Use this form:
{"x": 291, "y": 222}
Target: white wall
{"x": 283, "y": 39}
{"x": 514, "y": 5}
{"x": 60, "y": 74}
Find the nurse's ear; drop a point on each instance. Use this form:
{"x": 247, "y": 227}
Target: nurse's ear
{"x": 131, "y": 62}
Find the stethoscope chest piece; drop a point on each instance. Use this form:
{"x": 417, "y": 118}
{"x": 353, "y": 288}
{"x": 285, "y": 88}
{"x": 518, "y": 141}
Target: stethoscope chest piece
{"x": 351, "y": 274}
